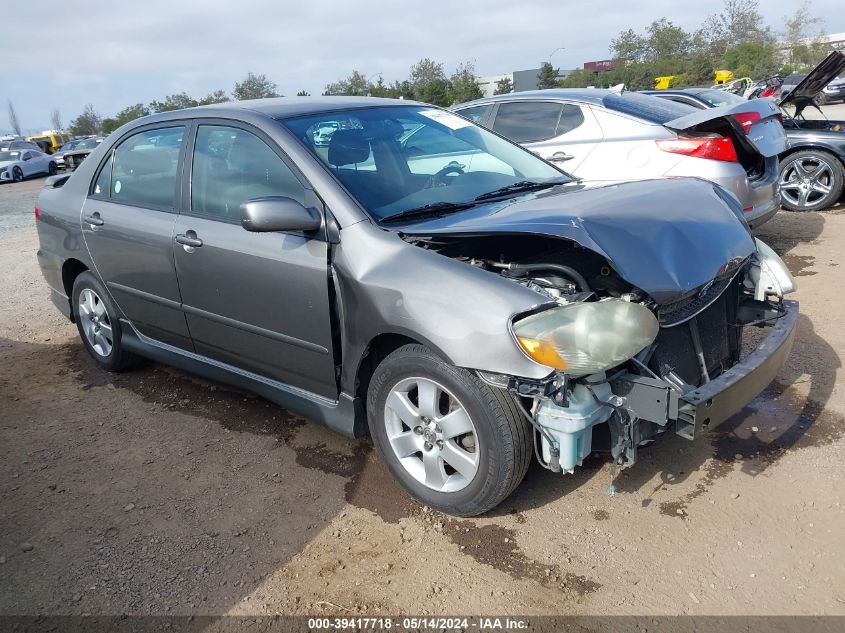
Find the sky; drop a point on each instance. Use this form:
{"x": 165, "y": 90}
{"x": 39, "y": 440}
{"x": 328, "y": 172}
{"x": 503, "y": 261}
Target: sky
{"x": 113, "y": 54}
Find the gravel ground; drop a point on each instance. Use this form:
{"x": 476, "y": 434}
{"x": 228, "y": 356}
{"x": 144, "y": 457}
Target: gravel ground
{"x": 152, "y": 492}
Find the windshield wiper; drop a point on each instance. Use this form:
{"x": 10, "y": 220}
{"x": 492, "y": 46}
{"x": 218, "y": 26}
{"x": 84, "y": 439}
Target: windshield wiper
{"x": 432, "y": 209}
{"x": 519, "y": 187}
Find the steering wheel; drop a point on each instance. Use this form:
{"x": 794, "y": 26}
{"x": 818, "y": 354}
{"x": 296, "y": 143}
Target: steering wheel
{"x": 439, "y": 179}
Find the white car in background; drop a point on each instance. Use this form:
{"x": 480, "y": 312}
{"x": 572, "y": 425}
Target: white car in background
{"x": 17, "y": 164}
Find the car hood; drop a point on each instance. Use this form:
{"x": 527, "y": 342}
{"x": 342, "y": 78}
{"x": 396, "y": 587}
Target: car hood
{"x": 666, "y": 237}
{"x": 7, "y": 163}
{"x": 826, "y": 71}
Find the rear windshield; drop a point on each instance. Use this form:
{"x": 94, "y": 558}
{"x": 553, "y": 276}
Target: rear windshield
{"x": 718, "y": 98}
{"x": 647, "y": 107}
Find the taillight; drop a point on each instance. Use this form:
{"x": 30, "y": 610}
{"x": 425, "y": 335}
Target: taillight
{"x": 747, "y": 119}
{"x": 37, "y": 214}
{"x": 712, "y": 147}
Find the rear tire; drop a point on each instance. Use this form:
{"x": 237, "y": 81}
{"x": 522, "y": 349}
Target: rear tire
{"x": 465, "y": 451}
{"x": 810, "y": 180}
{"x": 98, "y": 324}
{"x": 52, "y": 169}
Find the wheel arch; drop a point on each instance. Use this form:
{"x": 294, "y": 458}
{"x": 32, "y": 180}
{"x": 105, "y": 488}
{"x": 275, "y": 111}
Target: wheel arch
{"x": 817, "y": 147}
{"x": 71, "y": 269}
{"x": 379, "y": 348}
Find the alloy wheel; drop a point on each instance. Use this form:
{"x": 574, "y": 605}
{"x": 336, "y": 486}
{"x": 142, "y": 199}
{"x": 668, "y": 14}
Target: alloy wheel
{"x": 17, "y": 174}
{"x": 805, "y": 181}
{"x": 432, "y": 434}
{"x": 95, "y": 322}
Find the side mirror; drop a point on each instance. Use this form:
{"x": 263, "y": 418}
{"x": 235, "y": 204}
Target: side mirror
{"x": 277, "y": 213}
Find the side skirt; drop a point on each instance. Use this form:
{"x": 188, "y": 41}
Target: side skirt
{"x": 338, "y": 415}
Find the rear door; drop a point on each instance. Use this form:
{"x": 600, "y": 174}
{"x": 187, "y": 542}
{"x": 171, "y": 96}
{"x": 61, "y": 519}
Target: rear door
{"x": 565, "y": 133}
{"x": 257, "y": 301}
{"x": 127, "y": 223}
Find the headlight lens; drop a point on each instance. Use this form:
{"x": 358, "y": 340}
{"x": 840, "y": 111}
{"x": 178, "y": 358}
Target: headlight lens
{"x": 585, "y": 338}
{"x": 773, "y": 277}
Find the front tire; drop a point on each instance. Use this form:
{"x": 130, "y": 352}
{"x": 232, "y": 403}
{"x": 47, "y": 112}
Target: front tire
{"x": 98, "y": 324}
{"x": 52, "y": 169}
{"x": 453, "y": 441}
{"x": 17, "y": 174}
{"x": 810, "y": 180}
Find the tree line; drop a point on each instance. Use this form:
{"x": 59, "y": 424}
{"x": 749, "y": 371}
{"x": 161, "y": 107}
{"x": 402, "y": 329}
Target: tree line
{"x": 427, "y": 82}
{"x": 735, "y": 39}
{"x": 91, "y": 122}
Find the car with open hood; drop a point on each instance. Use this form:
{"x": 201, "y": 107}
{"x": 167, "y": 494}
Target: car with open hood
{"x": 812, "y": 167}
{"x": 461, "y": 301}
{"x": 622, "y": 135}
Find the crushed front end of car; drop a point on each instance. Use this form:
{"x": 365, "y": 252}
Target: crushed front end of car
{"x": 645, "y": 368}
{"x": 647, "y": 313}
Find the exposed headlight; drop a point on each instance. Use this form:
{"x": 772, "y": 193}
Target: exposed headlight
{"x": 585, "y": 338}
{"x": 770, "y": 275}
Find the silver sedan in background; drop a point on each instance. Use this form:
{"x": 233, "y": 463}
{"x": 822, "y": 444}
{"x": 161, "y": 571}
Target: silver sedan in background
{"x": 17, "y": 164}
{"x": 612, "y": 135}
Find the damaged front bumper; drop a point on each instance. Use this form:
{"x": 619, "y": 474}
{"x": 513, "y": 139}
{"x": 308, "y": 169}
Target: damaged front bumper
{"x": 703, "y": 407}
{"x": 629, "y": 403}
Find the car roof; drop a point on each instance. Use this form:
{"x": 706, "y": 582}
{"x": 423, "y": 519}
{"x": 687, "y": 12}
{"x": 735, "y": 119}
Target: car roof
{"x": 584, "y": 95}
{"x": 680, "y": 91}
{"x": 285, "y": 107}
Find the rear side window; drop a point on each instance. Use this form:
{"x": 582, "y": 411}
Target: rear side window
{"x": 523, "y": 122}
{"x": 646, "y": 107}
{"x": 571, "y": 117}
{"x": 475, "y": 114}
{"x": 143, "y": 169}
{"x": 232, "y": 166}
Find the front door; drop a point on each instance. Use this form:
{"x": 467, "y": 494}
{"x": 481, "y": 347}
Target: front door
{"x": 257, "y": 301}
{"x": 127, "y": 222}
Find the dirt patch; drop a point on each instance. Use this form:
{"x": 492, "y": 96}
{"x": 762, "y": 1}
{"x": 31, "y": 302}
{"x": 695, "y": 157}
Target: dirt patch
{"x": 799, "y": 264}
{"x": 496, "y": 546}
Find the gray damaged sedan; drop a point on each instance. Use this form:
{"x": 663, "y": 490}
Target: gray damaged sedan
{"x": 419, "y": 279}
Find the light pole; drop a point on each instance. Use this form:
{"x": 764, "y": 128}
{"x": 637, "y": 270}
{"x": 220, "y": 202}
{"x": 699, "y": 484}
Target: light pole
{"x": 559, "y": 48}
{"x": 367, "y": 81}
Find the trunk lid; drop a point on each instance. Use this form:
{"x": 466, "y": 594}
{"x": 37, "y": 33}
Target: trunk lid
{"x": 765, "y": 135}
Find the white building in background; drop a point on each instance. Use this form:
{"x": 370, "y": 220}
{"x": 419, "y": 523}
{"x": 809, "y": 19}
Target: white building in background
{"x": 488, "y": 84}
{"x": 835, "y": 41}
{"x": 521, "y": 79}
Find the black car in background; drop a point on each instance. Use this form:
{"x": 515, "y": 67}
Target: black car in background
{"x": 812, "y": 169}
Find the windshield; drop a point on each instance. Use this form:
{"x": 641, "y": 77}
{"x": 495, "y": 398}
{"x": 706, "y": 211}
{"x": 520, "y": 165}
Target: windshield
{"x": 68, "y": 146}
{"x": 87, "y": 144}
{"x": 394, "y": 159}
{"x": 4, "y": 156}
{"x": 717, "y": 98}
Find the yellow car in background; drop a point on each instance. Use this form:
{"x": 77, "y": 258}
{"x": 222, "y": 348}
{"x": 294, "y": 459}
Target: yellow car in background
{"x": 50, "y": 141}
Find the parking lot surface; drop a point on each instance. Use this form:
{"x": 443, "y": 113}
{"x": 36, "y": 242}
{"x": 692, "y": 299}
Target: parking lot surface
{"x": 153, "y": 492}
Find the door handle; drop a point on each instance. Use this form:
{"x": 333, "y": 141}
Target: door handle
{"x": 188, "y": 239}
{"x": 94, "y": 219}
{"x": 559, "y": 157}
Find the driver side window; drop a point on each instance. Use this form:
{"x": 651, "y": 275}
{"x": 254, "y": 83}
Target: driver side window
{"x": 232, "y": 166}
